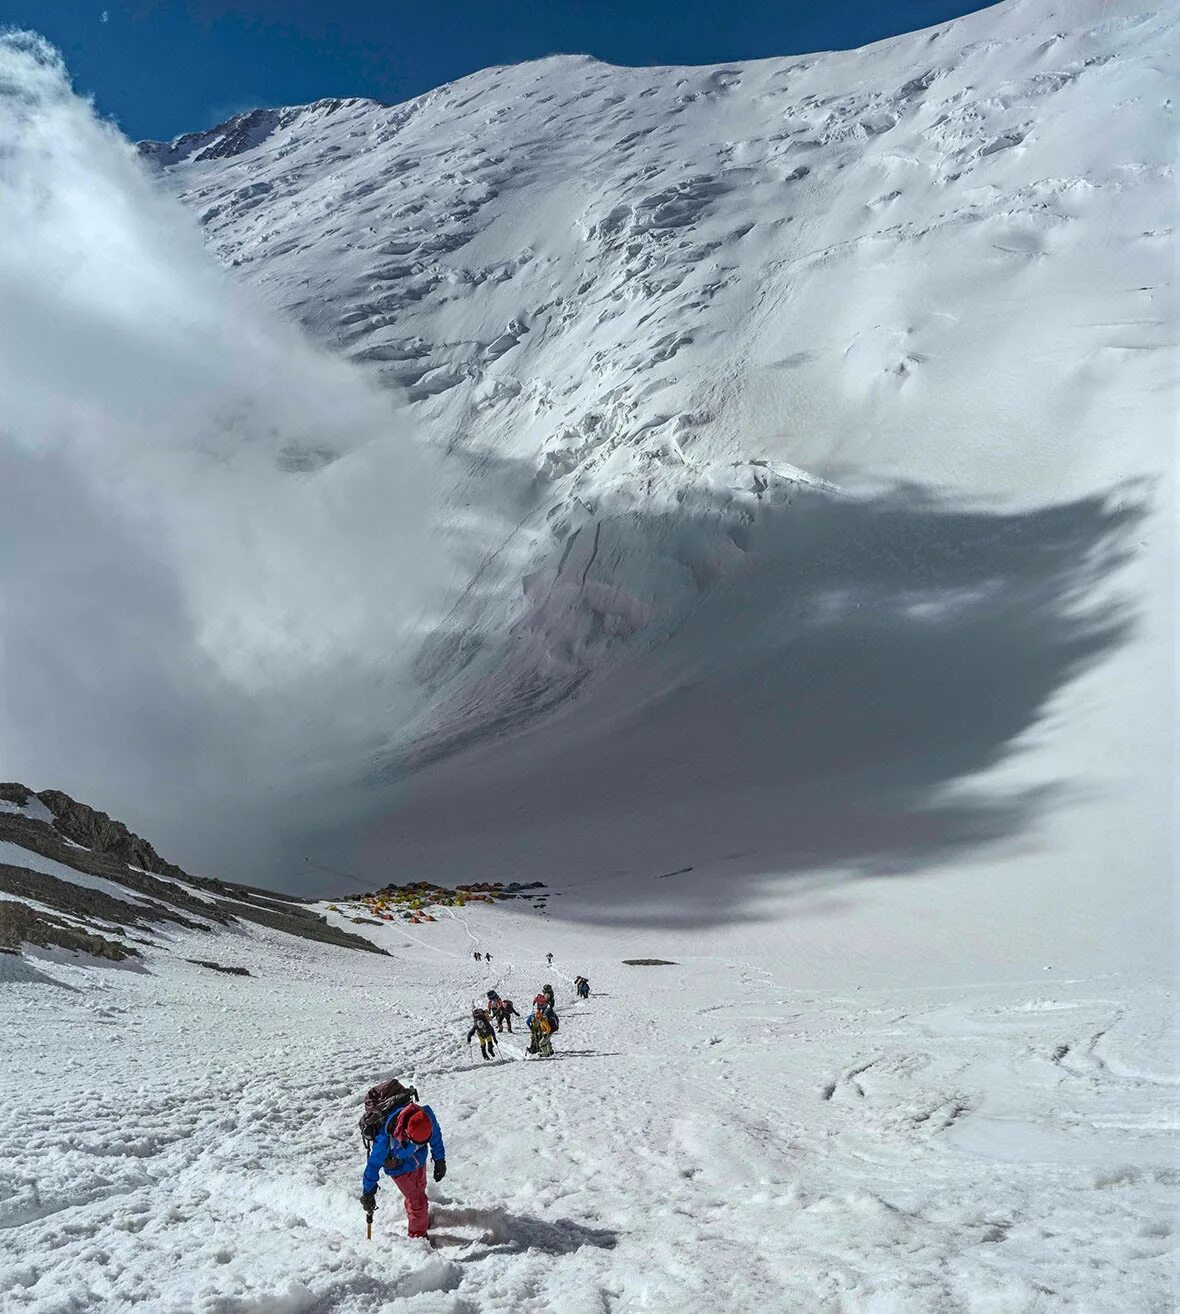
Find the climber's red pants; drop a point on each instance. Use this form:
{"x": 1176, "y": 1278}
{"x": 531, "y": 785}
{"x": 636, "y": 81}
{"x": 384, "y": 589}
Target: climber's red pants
{"x": 413, "y": 1187}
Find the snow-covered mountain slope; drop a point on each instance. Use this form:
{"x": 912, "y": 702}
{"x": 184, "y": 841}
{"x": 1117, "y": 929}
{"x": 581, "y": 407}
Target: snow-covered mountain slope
{"x": 76, "y": 882}
{"x": 711, "y": 1135}
{"x": 603, "y": 272}
{"x": 810, "y": 419}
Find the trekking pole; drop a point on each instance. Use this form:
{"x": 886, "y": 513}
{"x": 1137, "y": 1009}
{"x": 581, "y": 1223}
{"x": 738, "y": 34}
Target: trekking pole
{"x": 368, "y": 1227}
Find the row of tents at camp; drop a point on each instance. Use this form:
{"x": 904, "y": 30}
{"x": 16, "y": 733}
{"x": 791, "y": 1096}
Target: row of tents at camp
{"x": 410, "y": 902}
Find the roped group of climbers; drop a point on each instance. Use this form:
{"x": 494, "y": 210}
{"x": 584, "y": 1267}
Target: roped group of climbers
{"x": 399, "y": 1133}
{"x": 542, "y": 1022}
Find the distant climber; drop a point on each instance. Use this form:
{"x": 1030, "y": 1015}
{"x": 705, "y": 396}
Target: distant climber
{"x": 493, "y": 1000}
{"x": 549, "y": 959}
{"x": 504, "y": 1011}
{"x": 481, "y": 1026}
{"x": 547, "y": 991}
{"x": 477, "y": 955}
{"x": 582, "y": 986}
{"x": 487, "y": 958}
{"x": 400, "y": 1148}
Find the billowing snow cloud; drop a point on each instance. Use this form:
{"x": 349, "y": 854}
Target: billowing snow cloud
{"x": 212, "y": 534}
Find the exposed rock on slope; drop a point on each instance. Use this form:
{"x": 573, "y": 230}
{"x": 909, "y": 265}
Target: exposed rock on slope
{"x": 95, "y": 904}
{"x": 92, "y": 869}
{"x": 95, "y": 830}
{"x": 20, "y": 924}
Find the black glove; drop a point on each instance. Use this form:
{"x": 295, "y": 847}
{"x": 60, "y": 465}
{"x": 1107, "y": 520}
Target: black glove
{"x": 440, "y": 1169}
{"x": 369, "y": 1201}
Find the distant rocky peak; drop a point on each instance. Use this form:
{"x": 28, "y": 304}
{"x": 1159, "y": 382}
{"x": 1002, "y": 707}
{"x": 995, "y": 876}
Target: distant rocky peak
{"x": 85, "y": 826}
{"x": 244, "y": 131}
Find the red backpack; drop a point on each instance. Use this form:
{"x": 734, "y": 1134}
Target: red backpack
{"x": 398, "y": 1131}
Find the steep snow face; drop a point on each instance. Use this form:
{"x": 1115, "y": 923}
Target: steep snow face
{"x": 653, "y": 316}
{"x": 605, "y": 274}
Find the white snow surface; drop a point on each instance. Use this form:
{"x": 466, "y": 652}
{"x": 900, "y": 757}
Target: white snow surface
{"x": 711, "y": 1134}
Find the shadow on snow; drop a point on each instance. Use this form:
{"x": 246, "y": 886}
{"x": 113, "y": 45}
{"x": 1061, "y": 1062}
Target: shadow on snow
{"x": 813, "y": 709}
{"x": 503, "y": 1231}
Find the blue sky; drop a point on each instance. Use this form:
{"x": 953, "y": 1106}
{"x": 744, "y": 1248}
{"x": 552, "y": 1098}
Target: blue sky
{"x": 162, "y": 67}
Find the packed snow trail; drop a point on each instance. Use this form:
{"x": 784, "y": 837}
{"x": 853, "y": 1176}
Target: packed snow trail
{"x": 706, "y": 1136}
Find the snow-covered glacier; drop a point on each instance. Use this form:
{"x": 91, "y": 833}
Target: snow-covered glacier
{"x": 806, "y": 431}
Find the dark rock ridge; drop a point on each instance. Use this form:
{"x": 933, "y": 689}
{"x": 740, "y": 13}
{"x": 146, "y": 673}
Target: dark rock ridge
{"x": 91, "y": 842}
{"x": 20, "y": 924}
{"x": 243, "y": 132}
{"x": 95, "y": 830}
{"x": 80, "y": 901}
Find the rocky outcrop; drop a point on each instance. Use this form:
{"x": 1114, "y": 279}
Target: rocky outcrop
{"x": 220, "y": 967}
{"x": 82, "y": 902}
{"x": 299, "y": 921}
{"x": 40, "y": 838}
{"x": 97, "y": 831}
{"x": 89, "y": 841}
{"x": 20, "y": 924}
{"x": 245, "y": 131}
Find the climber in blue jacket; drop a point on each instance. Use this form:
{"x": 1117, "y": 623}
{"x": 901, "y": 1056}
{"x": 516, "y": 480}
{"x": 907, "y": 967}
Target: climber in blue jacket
{"x": 400, "y": 1147}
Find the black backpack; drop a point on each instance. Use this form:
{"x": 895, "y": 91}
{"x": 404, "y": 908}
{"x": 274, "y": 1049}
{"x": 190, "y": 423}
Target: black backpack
{"x": 380, "y": 1102}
